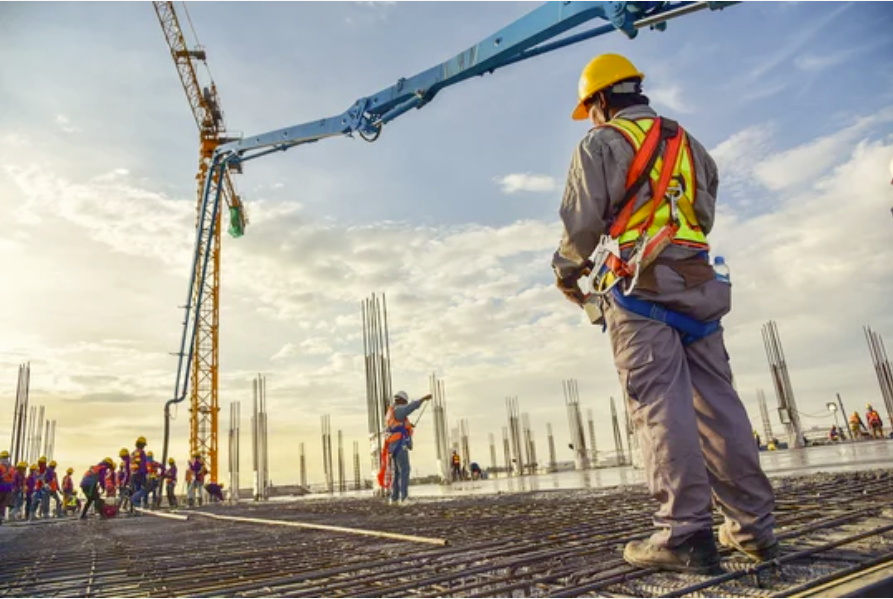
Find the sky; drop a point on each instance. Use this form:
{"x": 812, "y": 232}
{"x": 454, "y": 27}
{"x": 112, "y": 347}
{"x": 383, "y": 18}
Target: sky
{"x": 453, "y": 214}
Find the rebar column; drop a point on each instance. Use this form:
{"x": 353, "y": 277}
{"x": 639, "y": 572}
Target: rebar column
{"x": 575, "y": 423}
{"x": 514, "y": 418}
{"x": 356, "y": 466}
{"x": 787, "y": 405}
{"x": 303, "y": 467}
{"x": 18, "y": 438}
{"x": 376, "y": 349}
{"x": 464, "y": 444}
{"x": 326, "y": 424}
{"x": 506, "y": 451}
{"x": 882, "y": 369}
{"x": 259, "y": 448}
{"x": 618, "y": 439}
{"x": 553, "y": 462}
{"x": 592, "y": 446}
{"x": 492, "y": 439}
{"x": 235, "y": 414}
{"x": 341, "y": 482}
{"x": 764, "y": 414}
{"x": 441, "y": 436}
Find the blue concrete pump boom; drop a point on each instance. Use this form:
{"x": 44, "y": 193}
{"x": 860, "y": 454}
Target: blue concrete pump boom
{"x": 525, "y": 38}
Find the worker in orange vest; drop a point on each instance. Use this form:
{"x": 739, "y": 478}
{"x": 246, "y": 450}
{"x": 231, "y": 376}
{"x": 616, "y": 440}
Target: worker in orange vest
{"x": 456, "y": 462}
{"x": 399, "y": 443}
{"x": 91, "y": 484}
{"x": 69, "y": 497}
{"x": 639, "y": 202}
{"x": 856, "y": 426}
{"x": 875, "y": 424}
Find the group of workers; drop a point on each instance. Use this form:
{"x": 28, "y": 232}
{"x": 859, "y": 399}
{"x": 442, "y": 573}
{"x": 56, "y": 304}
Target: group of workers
{"x": 136, "y": 481}
{"x": 875, "y": 428}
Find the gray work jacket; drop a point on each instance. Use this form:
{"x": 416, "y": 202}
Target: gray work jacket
{"x": 596, "y": 183}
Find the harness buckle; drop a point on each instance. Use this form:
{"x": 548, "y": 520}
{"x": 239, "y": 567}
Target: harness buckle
{"x": 607, "y": 247}
{"x": 634, "y": 264}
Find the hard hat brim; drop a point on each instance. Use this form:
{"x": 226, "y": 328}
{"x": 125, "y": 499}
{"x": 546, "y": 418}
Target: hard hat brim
{"x": 580, "y": 113}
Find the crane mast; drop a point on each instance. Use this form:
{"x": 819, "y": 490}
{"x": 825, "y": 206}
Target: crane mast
{"x": 204, "y": 369}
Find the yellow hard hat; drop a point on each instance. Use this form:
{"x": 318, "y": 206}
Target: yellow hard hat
{"x": 196, "y": 454}
{"x": 4, "y": 454}
{"x": 123, "y": 453}
{"x": 33, "y": 467}
{"x": 140, "y": 441}
{"x": 42, "y": 459}
{"x": 602, "y": 72}
{"x": 53, "y": 463}
{"x": 149, "y": 454}
{"x": 22, "y": 465}
{"x": 70, "y": 471}
{"x": 868, "y": 406}
{"x": 109, "y": 461}
{"x": 171, "y": 461}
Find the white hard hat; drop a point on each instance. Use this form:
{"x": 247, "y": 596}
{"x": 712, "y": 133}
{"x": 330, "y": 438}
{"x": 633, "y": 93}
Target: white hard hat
{"x": 401, "y": 395}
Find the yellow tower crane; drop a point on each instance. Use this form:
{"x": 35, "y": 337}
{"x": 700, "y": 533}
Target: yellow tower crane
{"x": 205, "y": 104}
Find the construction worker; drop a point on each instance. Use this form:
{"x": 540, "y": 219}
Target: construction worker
{"x": 18, "y": 490}
{"x": 51, "y": 483}
{"x": 91, "y": 484}
{"x": 660, "y": 301}
{"x": 69, "y": 496}
{"x": 875, "y": 424}
{"x": 123, "y": 479}
{"x": 456, "y": 463}
{"x": 139, "y": 471}
{"x": 170, "y": 476}
{"x": 30, "y": 491}
{"x": 152, "y": 478}
{"x": 40, "y": 500}
{"x": 857, "y": 427}
{"x": 196, "y": 476}
{"x": 476, "y": 473}
{"x": 399, "y": 443}
{"x": 215, "y": 491}
{"x": 7, "y": 483}
{"x": 756, "y": 437}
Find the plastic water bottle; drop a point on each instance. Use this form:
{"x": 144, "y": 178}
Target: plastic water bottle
{"x": 722, "y": 270}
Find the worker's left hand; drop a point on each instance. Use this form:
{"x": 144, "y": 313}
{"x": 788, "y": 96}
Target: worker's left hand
{"x": 426, "y": 398}
{"x": 568, "y": 285}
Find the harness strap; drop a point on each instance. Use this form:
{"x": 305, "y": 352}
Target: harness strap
{"x": 689, "y": 329}
{"x": 641, "y": 167}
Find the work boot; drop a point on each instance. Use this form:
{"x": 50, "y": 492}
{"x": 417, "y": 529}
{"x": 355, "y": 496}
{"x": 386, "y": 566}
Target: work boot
{"x": 758, "y": 552}
{"x": 697, "y": 555}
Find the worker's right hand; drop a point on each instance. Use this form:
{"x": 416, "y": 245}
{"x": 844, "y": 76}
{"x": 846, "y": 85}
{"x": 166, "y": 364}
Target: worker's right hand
{"x": 426, "y": 398}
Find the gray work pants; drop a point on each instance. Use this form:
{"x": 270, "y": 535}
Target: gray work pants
{"x": 693, "y": 430}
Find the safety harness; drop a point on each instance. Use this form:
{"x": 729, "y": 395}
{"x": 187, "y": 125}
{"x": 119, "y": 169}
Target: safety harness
{"x": 657, "y": 224}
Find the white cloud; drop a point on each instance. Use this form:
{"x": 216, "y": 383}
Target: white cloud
{"x": 65, "y": 124}
{"x": 516, "y": 182}
{"x": 807, "y": 162}
{"x": 671, "y": 97}
{"x": 737, "y": 156}
{"x": 289, "y": 350}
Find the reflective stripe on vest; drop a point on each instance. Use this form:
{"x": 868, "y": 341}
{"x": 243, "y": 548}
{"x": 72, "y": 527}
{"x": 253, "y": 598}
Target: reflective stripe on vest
{"x": 683, "y": 183}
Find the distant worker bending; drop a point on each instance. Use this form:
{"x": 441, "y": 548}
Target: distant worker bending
{"x": 399, "y": 442}
{"x": 642, "y": 191}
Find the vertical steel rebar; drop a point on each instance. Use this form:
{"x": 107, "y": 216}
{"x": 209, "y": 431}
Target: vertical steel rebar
{"x": 618, "y": 439}
{"x": 553, "y": 462}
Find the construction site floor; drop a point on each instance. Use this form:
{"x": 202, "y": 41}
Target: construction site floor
{"x": 836, "y": 532}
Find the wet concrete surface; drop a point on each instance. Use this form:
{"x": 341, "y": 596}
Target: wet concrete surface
{"x": 862, "y": 455}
